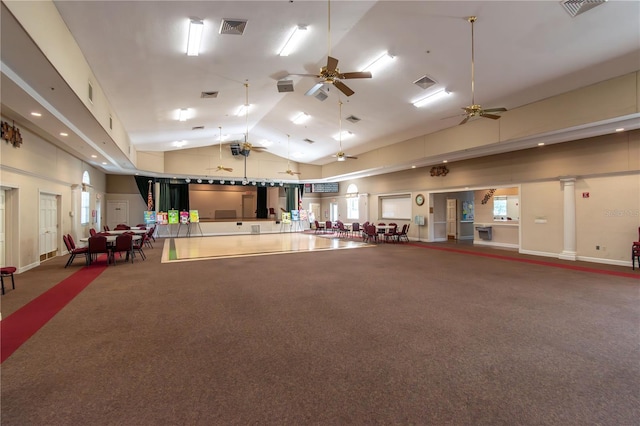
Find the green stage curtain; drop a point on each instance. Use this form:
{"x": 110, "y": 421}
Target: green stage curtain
{"x": 173, "y": 196}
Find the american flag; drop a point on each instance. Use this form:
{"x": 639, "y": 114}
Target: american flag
{"x": 150, "y": 197}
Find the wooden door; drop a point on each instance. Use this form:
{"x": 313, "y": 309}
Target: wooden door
{"x": 48, "y": 226}
{"x": 452, "y": 219}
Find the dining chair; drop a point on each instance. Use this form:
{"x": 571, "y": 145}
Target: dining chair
{"x": 97, "y": 245}
{"x": 391, "y": 234}
{"x": 73, "y": 250}
{"x": 328, "y": 226}
{"x": 402, "y": 235}
{"x": 122, "y": 227}
{"x": 139, "y": 245}
{"x": 635, "y": 254}
{"x": 92, "y": 232}
{"x": 317, "y": 224}
{"x": 106, "y": 228}
{"x": 342, "y": 230}
{"x": 124, "y": 243}
{"x": 7, "y": 271}
{"x": 355, "y": 228}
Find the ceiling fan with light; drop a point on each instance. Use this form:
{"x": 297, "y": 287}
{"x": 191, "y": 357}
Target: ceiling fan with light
{"x": 476, "y": 110}
{"x": 289, "y": 171}
{"x": 340, "y": 155}
{"x": 330, "y": 74}
{"x": 220, "y": 167}
{"x": 244, "y": 148}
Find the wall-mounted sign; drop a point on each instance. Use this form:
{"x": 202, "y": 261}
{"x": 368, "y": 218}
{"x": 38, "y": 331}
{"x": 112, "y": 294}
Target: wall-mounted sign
{"x": 321, "y": 187}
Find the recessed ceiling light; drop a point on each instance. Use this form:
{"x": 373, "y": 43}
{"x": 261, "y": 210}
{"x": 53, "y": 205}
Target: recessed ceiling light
{"x": 541, "y": 144}
{"x": 379, "y": 63}
{"x": 620, "y": 129}
{"x": 413, "y": 167}
{"x": 444, "y": 161}
{"x": 183, "y": 114}
{"x": 179, "y": 144}
{"x": 293, "y": 41}
{"x": 94, "y": 156}
{"x": 439, "y": 94}
{"x": 64, "y": 134}
{"x": 345, "y": 134}
{"x": 104, "y": 162}
{"x": 36, "y": 114}
{"x": 301, "y": 118}
{"x": 195, "y": 37}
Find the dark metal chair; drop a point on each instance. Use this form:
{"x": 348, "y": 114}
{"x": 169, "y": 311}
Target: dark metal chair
{"x": 7, "y": 271}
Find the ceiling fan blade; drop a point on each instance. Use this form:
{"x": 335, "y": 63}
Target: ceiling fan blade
{"x": 343, "y": 88}
{"x": 491, "y": 116}
{"x": 351, "y": 157}
{"x": 495, "y": 110}
{"x": 314, "y": 89}
{"x": 360, "y": 74}
{"x": 332, "y": 64}
{"x": 305, "y": 75}
{"x": 464, "y": 120}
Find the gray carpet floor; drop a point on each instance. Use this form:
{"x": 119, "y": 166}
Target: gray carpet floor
{"x": 395, "y": 334}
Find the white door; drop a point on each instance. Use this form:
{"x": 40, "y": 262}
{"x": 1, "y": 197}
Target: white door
{"x": 333, "y": 212}
{"x": 97, "y": 220}
{"x": 314, "y": 211}
{"x": 117, "y": 212}
{"x": 48, "y": 226}
{"x": 2, "y": 229}
{"x": 452, "y": 219}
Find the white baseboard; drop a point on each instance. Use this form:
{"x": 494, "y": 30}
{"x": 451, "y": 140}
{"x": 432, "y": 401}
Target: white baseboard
{"x": 25, "y": 268}
{"x": 494, "y": 244}
{"x": 580, "y": 258}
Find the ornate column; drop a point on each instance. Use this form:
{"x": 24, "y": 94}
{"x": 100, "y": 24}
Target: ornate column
{"x": 74, "y": 214}
{"x": 569, "y": 214}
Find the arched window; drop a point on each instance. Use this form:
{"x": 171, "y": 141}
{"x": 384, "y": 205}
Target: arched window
{"x": 353, "y": 210}
{"x": 86, "y": 199}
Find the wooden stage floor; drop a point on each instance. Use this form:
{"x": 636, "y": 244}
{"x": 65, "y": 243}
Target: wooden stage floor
{"x": 226, "y": 246}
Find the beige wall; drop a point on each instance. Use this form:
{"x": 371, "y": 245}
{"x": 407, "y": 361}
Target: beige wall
{"x": 38, "y": 167}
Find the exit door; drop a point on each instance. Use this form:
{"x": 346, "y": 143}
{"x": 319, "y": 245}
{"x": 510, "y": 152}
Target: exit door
{"x": 452, "y": 219}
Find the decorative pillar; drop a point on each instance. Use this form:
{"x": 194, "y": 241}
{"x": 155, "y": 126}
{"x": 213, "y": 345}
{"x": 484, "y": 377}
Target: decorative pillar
{"x": 76, "y": 194}
{"x": 569, "y": 214}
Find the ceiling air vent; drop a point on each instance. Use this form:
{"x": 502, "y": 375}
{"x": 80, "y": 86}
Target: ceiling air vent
{"x": 233, "y": 26}
{"x": 321, "y": 95}
{"x": 206, "y": 95}
{"x": 424, "y": 82}
{"x": 307, "y": 140}
{"x": 576, "y": 7}
{"x": 198, "y": 128}
{"x": 352, "y": 118}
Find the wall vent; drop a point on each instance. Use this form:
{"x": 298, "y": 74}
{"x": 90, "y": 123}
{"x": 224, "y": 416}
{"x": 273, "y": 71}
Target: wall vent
{"x": 307, "y": 140}
{"x": 206, "y": 95}
{"x": 233, "y": 26}
{"x": 424, "y": 82}
{"x": 576, "y": 7}
{"x": 352, "y": 118}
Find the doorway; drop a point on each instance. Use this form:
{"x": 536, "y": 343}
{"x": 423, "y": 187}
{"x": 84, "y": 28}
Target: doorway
{"x": 48, "y": 226}
{"x": 452, "y": 219}
{"x": 117, "y": 212}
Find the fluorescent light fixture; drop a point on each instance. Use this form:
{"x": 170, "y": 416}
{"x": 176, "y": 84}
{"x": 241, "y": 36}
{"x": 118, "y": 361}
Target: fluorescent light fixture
{"x": 64, "y": 134}
{"x": 297, "y": 34}
{"x": 195, "y": 37}
{"x": 36, "y": 114}
{"x": 301, "y": 118}
{"x": 345, "y": 134}
{"x": 183, "y": 114}
{"x": 94, "y": 156}
{"x": 243, "y": 110}
{"x": 379, "y": 63}
{"x": 438, "y": 94}
{"x": 266, "y": 143}
{"x": 179, "y": 144}
{"x": 620, "y": 129}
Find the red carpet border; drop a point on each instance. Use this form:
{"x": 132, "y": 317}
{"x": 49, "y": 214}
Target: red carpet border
{"x": 18, "y": 327}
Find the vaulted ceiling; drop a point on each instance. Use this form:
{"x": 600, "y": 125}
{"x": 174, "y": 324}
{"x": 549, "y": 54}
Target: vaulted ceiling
{"x": 524, "y": 51}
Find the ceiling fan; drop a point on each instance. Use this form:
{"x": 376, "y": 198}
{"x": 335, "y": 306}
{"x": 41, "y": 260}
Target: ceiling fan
{"x": 340, "y": 155}
{"x": 475, "y": 110}
{"x": 220, "y": 167}
{"x": 245, "y": 147}
{"x": 330, "y": 74}
{"x": 289, "y": 171}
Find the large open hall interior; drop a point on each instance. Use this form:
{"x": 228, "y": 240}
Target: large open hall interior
{"x": 299, "y": 212}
